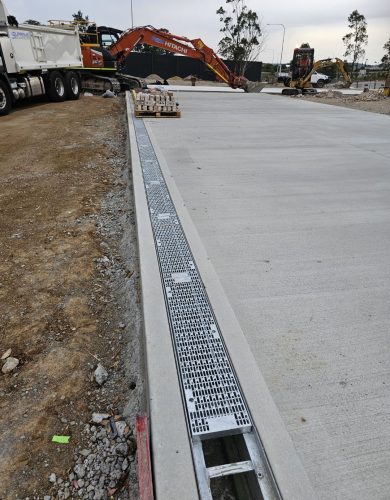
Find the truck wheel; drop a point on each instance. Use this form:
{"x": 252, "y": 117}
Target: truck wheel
{"x": 72, "y": 85}
{"x": 320, "y": 84}
{"x": 56, "y": 87}
{"x": 5, "y": 99}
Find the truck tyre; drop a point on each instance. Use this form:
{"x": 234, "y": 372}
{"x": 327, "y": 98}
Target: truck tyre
{"x": 320, "y": 84}
{"x": 72, "y": 85}
{"x": 56, "y": 90}
{"x": 5, "y": 99}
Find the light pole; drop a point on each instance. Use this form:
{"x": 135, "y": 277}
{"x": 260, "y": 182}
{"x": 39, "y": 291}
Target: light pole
{"x": 132, "y": 18}
{"x": 281, "y": 52}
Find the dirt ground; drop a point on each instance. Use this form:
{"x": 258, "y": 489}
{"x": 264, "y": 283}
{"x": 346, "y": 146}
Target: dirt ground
{"x": 69, "y": 286}
{"x": 361, "y": 102}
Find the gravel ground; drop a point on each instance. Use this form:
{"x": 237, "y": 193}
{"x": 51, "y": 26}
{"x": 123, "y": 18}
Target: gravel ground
{"x": 69, "y": 289}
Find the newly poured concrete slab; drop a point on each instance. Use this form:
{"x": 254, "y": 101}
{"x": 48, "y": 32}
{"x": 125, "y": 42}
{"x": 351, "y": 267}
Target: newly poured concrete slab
{"x": 292, "y": 202}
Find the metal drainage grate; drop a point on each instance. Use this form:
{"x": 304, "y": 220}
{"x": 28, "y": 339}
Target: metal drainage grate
{"x": 213, "y": 398}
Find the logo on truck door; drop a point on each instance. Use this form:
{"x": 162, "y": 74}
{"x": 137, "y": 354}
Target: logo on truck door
{"x": 19, "y": 35}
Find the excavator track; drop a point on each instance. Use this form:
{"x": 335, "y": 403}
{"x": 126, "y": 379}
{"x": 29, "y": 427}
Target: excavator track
{"x": 98, "y": 83}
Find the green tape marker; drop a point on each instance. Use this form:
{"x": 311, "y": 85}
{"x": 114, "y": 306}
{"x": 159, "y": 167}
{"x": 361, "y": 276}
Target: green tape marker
{"x": 61, "y": 439}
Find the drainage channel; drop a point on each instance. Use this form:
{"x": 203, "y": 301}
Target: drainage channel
{"x": 217, "y": 414}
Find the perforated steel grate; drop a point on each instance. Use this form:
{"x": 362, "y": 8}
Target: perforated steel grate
{"x": 213, "y": 398}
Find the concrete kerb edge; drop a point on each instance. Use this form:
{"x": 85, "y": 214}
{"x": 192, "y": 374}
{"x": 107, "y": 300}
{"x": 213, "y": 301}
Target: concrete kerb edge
{"x": 173, "y": 471}
{"x": 287, "y": 467}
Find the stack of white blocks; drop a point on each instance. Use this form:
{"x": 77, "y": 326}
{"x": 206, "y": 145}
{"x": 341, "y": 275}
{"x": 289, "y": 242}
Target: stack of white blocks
{"x": 158, "y": 102}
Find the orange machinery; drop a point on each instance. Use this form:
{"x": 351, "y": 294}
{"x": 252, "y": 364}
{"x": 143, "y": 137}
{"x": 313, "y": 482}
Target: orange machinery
{"x": 96, "y": 56}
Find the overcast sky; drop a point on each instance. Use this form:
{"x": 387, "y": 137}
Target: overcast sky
{"x": 320, "y": 23}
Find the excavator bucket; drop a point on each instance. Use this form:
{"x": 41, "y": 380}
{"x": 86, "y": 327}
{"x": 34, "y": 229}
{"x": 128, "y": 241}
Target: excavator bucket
{"x": 255, "y": 87}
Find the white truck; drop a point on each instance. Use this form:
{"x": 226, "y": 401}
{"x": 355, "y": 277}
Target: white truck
{"x": 316, "y": 79}
{"x": 37, "y": 60}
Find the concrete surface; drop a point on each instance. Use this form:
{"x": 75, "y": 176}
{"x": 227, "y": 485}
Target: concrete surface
{"x": 291, "y": 201}
{"x": 197, "y": 88}
{"x": 265, "y": 90}
{"x": 286, "y": 465}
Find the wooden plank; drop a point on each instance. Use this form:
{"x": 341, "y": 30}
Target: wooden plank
{"x": 145, "y": 480}
{"x": 158, "y": 114}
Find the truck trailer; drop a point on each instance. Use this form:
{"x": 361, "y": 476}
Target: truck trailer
{"x": 36, "y": 61}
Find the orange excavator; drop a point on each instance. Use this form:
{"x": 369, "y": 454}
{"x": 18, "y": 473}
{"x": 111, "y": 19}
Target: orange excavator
{"x": 105, "y": 50}
{"x": 178, "y": 44}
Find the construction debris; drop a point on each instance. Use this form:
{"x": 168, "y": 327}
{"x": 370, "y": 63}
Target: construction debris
{"x": 371, "y": 95}
{"x": 372, "y": 100}
{"x": 108, "y": 94}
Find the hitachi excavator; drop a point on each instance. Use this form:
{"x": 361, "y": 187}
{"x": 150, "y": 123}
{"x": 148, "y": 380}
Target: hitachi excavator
{"x": 303, "y": 66}
{"x": 99, "y": 56}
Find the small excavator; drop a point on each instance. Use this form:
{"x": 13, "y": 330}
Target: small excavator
{"x": 303, "y": 66}
{"x": 105, "y": 49}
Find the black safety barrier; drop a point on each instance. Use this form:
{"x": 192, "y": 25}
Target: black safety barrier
{"x": 167, "y": 66}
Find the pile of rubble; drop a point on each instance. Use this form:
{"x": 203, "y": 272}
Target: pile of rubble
{"x": 371, "y": 95}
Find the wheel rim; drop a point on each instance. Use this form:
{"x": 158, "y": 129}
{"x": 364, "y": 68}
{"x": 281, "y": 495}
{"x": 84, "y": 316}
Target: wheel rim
{"x": 3, "y": 99}
{"x": 74, "y": 85}
{"x": 60, "y": 87}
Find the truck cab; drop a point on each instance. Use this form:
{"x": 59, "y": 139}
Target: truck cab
{"x": 319, "y": 79}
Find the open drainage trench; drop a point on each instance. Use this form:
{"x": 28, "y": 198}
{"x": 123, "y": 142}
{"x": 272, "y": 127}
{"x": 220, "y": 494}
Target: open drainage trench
{"x": 228, "y": 455}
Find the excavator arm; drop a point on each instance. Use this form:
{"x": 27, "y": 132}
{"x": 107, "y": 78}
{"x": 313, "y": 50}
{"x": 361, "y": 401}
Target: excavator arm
{"x": 323, "y": 63}
{"x": 179, "y": 45}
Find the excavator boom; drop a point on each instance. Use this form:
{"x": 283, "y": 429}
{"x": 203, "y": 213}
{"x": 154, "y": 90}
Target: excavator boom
{"x": 162, "y": 39}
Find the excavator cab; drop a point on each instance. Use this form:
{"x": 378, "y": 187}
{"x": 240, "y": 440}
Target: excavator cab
{"x": 302, "y": 63}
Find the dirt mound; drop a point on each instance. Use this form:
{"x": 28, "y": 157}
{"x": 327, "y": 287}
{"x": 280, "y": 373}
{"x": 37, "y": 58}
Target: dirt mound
{"x": 371, "y": 95}
{"x": 175, "y": 78}
{"x": 153, "y": 77}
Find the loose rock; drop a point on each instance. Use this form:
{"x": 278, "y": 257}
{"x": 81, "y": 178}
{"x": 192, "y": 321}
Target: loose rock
{"x": 10, "y": 365}
{"x": 101, "y": 374}
{"x": 6, "y": 354}
{"x": 79, "y": 471}
{"x": 97, "y": 418}
{"x": 121, "y": 428}
{"x": 85, "y": 452}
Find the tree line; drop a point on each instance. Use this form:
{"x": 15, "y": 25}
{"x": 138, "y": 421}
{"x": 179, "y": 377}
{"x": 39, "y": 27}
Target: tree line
{"x": 244, "y": 37}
